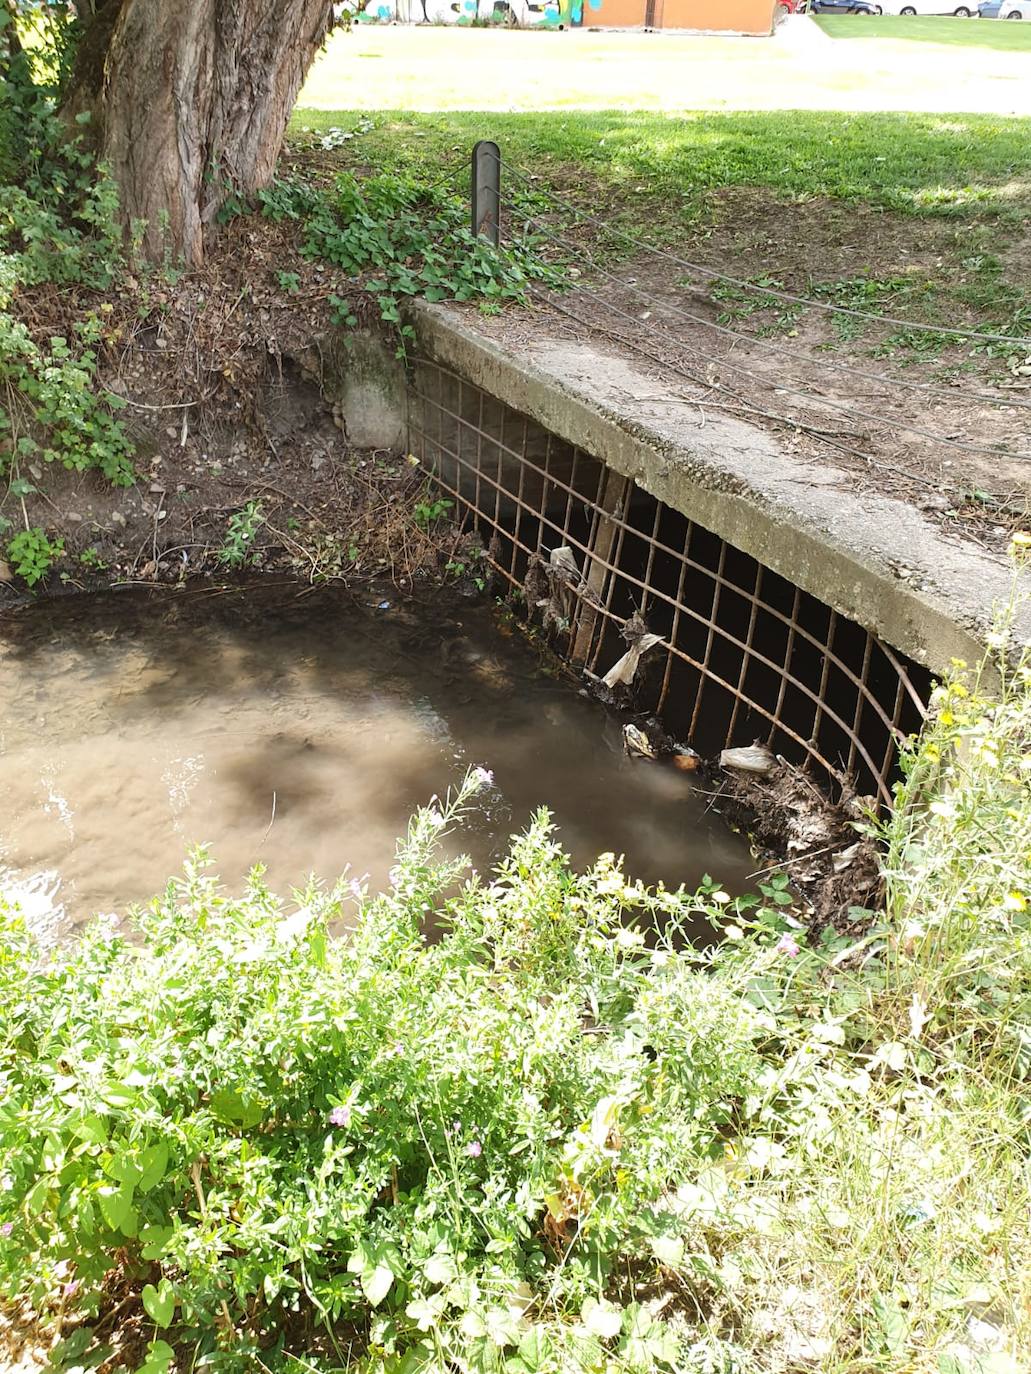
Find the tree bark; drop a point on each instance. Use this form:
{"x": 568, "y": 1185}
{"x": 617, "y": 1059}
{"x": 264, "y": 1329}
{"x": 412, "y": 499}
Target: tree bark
{"x": 189, "y": 100}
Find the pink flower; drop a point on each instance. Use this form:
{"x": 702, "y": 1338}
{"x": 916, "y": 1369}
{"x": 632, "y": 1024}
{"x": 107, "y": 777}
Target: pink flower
{"x": 474, "y": 1149}
{"x": 340, "y": 1116}
{"x": 7, "y": 1228}
{"x": 787, "y": 944}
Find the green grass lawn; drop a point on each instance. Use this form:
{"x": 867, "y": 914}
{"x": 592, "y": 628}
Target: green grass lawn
{"x": 961, "y": 33}
{"x": 968, "y": 166}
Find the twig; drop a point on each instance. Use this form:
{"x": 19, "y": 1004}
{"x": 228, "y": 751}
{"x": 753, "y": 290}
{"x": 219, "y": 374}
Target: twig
{"x": 272, "y": 821}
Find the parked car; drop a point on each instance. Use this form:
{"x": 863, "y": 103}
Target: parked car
{"x": 843, "y": 7}
{"x": 957, "y": 7}
{"x": 1005, "y": 9}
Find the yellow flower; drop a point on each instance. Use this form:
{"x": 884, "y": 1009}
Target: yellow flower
{"x": 1022, "y": 539}
{"x": 1015, "y": 901}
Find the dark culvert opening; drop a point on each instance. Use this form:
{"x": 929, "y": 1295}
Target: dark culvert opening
{"x": 745, "y": 655}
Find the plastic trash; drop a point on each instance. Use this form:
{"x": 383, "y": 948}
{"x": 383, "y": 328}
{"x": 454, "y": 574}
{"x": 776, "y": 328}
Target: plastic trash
{"x": 752, "y": 758}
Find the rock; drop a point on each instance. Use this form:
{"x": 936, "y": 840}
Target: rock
{"x": 118, "y": 518}
{"x": 5, "y": 571}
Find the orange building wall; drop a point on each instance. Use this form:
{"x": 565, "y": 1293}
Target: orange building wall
{"x": 737, "y": 16}
{"x": 615, "y": 14}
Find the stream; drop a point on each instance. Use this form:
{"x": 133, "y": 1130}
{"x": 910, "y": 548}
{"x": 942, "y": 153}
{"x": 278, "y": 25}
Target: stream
{"x": 289, "y": 726}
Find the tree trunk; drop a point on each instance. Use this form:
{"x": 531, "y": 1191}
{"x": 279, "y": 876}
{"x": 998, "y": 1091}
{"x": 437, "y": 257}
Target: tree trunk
{"x": 189, "y": 100}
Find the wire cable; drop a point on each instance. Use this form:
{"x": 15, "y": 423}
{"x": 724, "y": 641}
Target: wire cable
{"x": 710, "y": 274}
{"x": 812, "y": 398}
{"x": 829, "y": 364}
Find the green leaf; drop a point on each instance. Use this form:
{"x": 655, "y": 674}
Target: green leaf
{"x": 502, "y": 1326}
{"x": 159, "y": 1356}
{"x": 123, "y": 1170}
{"x": 234, "y": 1110}
{"x": 427, "y": 1312}
{"x": 154, "y": 1239}
{"x": 37, "y": 1197}
{"x": 440, "y": 1268}
{"x": 377, "y": 1283}
{"x": 892, "y": 1322}
{"x": 116, "y": 1208}
{"x": 92, "y": 1129}
{"x": 153, "y": 1162}
{"x": 532, "y": 1354}
{"x": 160, "y": 1303}
{"x": 668, "y": 1250}
{"x": 603, "y": 1319}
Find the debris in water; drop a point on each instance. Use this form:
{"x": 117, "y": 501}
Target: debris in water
{"x": 637, "y": 743}
{"x": 624, "y": 670}
{"x": 752, "y": 758}
{"x": 638, "y": 636}
{"x": 686, "y": 759}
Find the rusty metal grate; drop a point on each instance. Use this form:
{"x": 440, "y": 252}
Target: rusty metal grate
{"x": 744, "y": 656}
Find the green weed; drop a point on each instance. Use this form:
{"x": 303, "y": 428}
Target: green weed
{"x": 403, "y": 236}
{"x": 238, "y": 550}
{"x": 32, "y": 554}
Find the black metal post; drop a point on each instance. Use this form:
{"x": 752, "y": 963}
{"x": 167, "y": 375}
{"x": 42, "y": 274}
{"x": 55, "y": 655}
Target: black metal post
{"x": 486, "y": 191}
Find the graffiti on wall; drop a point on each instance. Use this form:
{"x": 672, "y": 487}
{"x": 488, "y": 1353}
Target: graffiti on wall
{"x": 522, "y": 14}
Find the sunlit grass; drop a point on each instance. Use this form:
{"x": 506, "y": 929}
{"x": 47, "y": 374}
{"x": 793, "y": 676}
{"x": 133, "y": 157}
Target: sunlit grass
{"x": 933, "y": 28}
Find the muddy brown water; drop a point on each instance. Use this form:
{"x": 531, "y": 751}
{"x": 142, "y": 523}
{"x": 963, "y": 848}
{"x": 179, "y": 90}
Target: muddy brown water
{"x": 298, "y": 729}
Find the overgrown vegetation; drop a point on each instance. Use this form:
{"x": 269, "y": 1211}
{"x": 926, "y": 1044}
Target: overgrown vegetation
{"x": 57, "y": 228}
{"x": 517, "y": 1123}
{"x": 401, "y": 236}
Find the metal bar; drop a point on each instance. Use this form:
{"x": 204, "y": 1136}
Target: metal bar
{"x": 822, "y": 709}
{"x": 708, "y": 675}
{"x": 597, "y": 570}
{"x": 817, "y": 643}
{"x": 651, "y": 556}
{"x": 604, "y": 566}
{"x": 718, "y": 584}
{"x": 486, "y": 191}
{"x": 747, "y": 652}
{"x": 675, "y": 627}
{"x": 789, "y": 649}
{"x": 862, "y": 697}
{"x": 828, "y": 655}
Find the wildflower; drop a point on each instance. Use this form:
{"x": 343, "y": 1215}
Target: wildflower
{"x": 474, "y": 1149}
{"x": 340, "y": 1116}
{"x": 70, "y": 1289}
{"x": 787, "y": 944}
{"x": 482, "y": 777}
{"x": 1015, "y": 901}
{"x": 7, "y": 1228}
{"x": 435, "y": 818}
